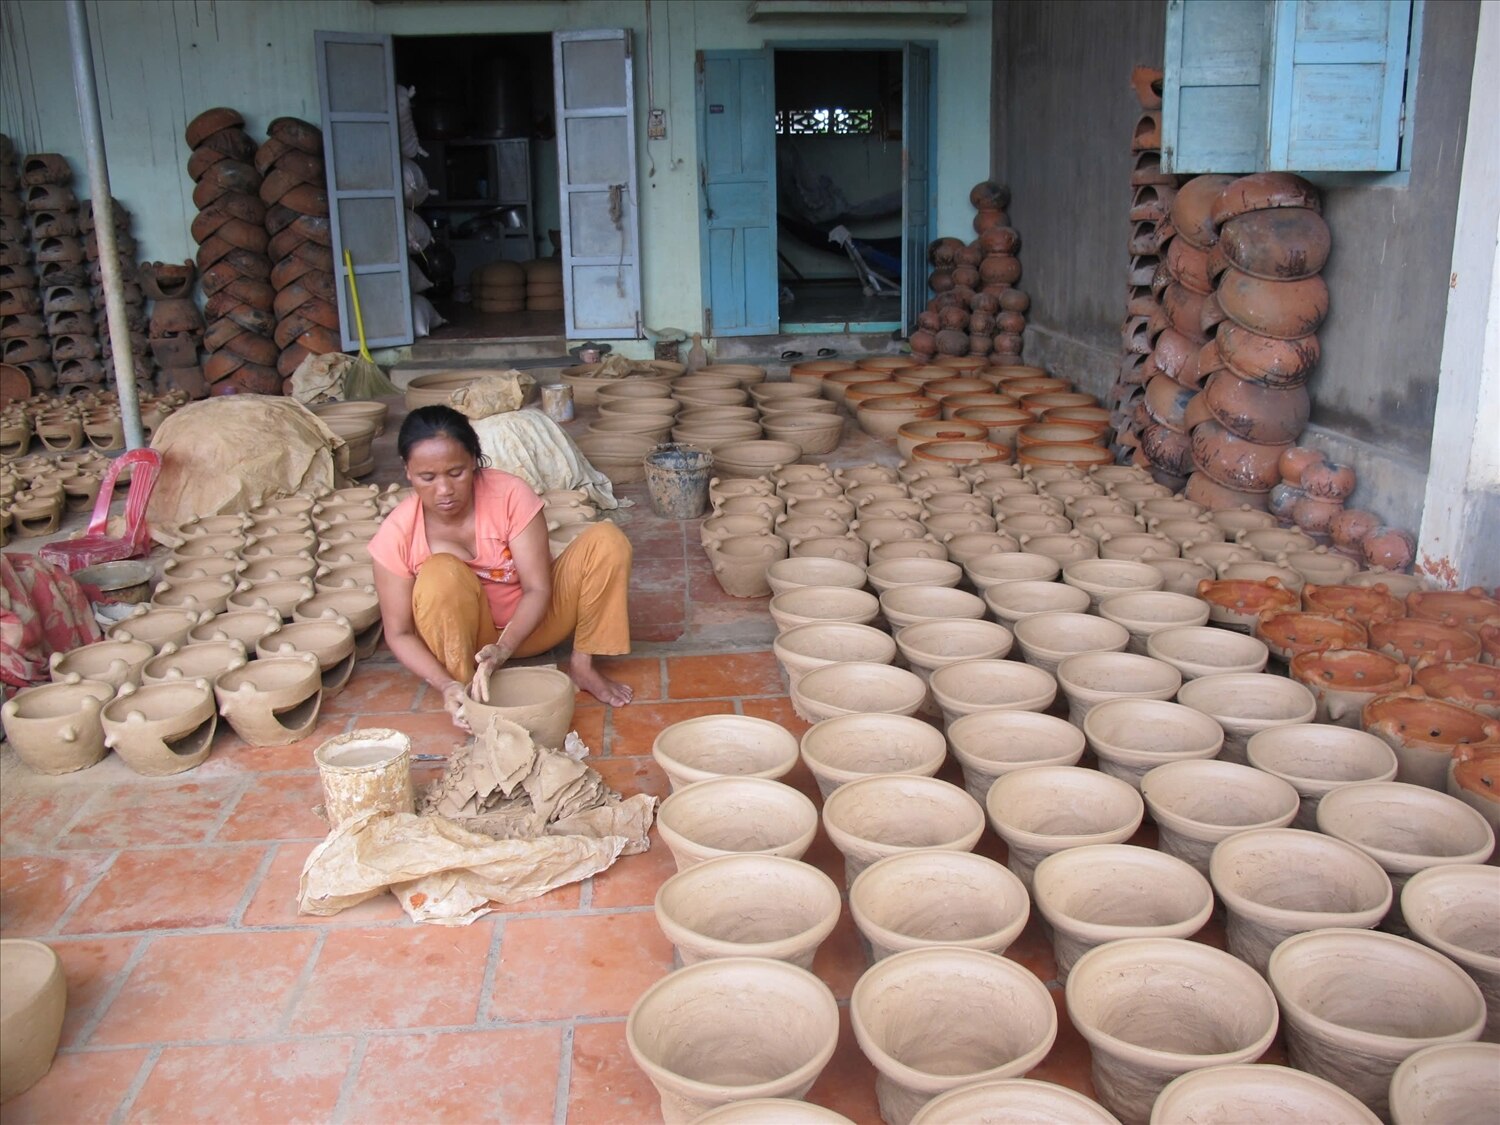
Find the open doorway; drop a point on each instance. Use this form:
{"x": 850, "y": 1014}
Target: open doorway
{"x": 484, "y": 111}
{"x": 838, "y": 189}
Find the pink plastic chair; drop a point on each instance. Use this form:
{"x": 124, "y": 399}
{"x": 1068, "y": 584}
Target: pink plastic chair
{"x": 97, "y": 547}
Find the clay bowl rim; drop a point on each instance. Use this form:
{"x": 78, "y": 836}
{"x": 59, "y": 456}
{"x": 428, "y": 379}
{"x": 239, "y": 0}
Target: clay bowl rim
{"x": 1164, "y": 636}
{"x": 1141, "y": 754}
{"x": 907, "y": 645}
{"x": 818, "y": 562}
{"x": 992, "y": 941}
{"x": 1463, "y": 956}
{"x": 962, "y": 840}
{"x": 1294, "y": 1085}
{"x": 1307, "y": 784}
{"x": 1238, "y": 717}
{"x": 776, "y": 737}
{"x": 967, "y": 758}
{"x": 1157, "y": 861}
{"x": 793, "y": 868}
{"x": 1021, "y": 671}
{"x": 900, "y": 681}
{"x": 780, "y": 647}
{"x": 1284, "y": 917}
{"x": 1066, "y": 1104}
{"x": 792, "y": 799}
{"x": 1042, "y": 621}
{"x": 938, "y": 750}
{"x": 1438, "y": 805}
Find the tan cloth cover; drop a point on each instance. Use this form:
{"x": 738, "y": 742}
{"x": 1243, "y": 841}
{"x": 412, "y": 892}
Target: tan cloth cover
{"x": 229, "y": 454}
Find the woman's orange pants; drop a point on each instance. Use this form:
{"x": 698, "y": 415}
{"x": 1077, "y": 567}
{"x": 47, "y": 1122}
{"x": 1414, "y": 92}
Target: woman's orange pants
{"x": 590, "y": 588}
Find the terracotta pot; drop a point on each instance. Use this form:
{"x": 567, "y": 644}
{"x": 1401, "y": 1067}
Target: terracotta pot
{"x": 1255, "y": 1093}
{"x": 850, "y": 747}
{"x": 1356, "y": 1003}
{"x": 1012, "y": 1100}
{"x": 1046, "y": 809}
{"x": 856, "y": 688}
{"x": 998, "y": 1022}
{"x": 1090, "y": 678}
{"x": 717, "y": 528}
{"x": 1046, "y": 639}
{"x": 1344, "y": 681}
{"x": 1315, "y": 759}
{"x": 740, "y": 562}
{"x": 1467, "y": 609}
{"x": 1291, "y": 632}
{"x": 1475, "y": 686}
{"x": 539, "y": 699}
{"x": 1110, "y": 892}
{"x": 836, "y": 385}
{"x": 1137, "y": 547}
{"x": 803, "y": 648}
{"x": 1239, "y": 604}
{"x": 992, "y": 568}
{"x": 1320, "y": 567}
{"x": 1181, "y": 576}
{"x": 991, "y": 744}
{"x": 784, "y": 1020}
{"x": 274, "y": 701}
{"x": 31, "y": 1019}
{"x": 920, "y": 899}
{"x": 1052, "y": 531}
{"x": 1221, "y": 555}
{"x": 1420, "y": 642}
{"x": 1405, "y": 829}
{"x": 205, "y": 661}
{"x": 278, "y": 595}
{"x": 1455, "y": 909}
{"x": 879, "y": 816}
{"x": 929, "y": 645}
{"x": 1448, "y": 1082}
{"x": 1156, "y": 1008}
{"x": 163, "y": 728}
{"x": 109, "y": 662}
{"x": 247, "y": 626}
{"x": 1130, "y": 737}
{"x": 723, "y": 746}
{"x": 734, "y": 815}
{"x": 748, "y": 906}
{"x": 1425, "y": 732}
{"x": 990, "y": 685}
{"x": 822, "y": 603}
{"x": 55, "y": 728}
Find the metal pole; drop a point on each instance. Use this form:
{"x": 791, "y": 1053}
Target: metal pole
{"x": 92, "y": 125}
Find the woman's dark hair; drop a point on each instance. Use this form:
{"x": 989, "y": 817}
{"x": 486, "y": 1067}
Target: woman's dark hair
{"x": 438, "y": 421}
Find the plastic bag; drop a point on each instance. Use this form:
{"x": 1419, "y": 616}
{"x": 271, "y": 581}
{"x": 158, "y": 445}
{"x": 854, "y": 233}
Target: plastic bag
{"x": 411, "y": 147}
{"x": 418, "y": 282}
{"x": 414, "y": 184}
{"x": 424, "y": 318}
{"x": 418, "y": 233}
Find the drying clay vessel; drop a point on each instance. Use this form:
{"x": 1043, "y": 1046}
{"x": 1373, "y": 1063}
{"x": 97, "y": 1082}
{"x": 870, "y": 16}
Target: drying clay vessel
{"x": 1447, "y": 1083}
{"x": 1197, "y": 804}
{"x": 1267, "y": 1095}
{"x": 772, "y": 1111}
{"x": 748, "y": 906}
{"x": 195, "y": 662}
{"x": 210, "y": 595}
{"x": 1455, "y": 909}
{"x": 1181, "y": 576}
{"x": 279, "y": 595}
{"x": 823, "y": 603}
{"x": 1344, "y": 680}
{"x": 163, "y": 728}
{"x": 1315, "y": 758}
{"x": 932, "y": 1020}
{"x": 929, "y": 645}
{"x": 1156, "y": 1008}
{"x": 895, "y": 573}
{"x": 990, "y": 744}
{"x": 1101, "y": 578}
{"x": 109, "y": 662}
{"x": 857, "y": 688}
{"x": 849, "y": 747}
{"x": 1049, "y": 809}
{"x": 332, "y": 642}
{"x": 55, "y": 727}
{"x": 925, "y": 898}
{"x": 723, "y": 746}
{"x": 878, "y": 816}
{"x": 1425, "y": 733}
{"x": 247, "y": 626}
{"x": 791, "y": 574}
{"x": 540, "y": 699}
{"x": 33, "y": 1001}
{"x": 273, "y": 701}
{"x": 740, "y": 562}
{"x": 1091, "y": 678}
{"x": 992, "y": 568}
{"x": 158, "y": 626}
{"x": 1013, "y": 602}
{"x": 1047, "y": 639}
{"x": 804, "y": 647}
{"x": 1009, "y": 1101}
{"x": 1405, "y": 829}
{"x": 1109, "y": 892}
{"x": 731, "y": 815}
{"x": 361, "y": 608}
{"x": 1276, "y": 882}
{"x": 1200, "y": 650}
{"x": 731, "y": 1030}
{"x": 1147, "y": 613}
{"x": 990, "y": 685}
{"x": 1356, "y": 1003}
{"x": 910, "y": 605}
{"x": 1476, "y": 686}
{"x": 1245, "y": 704}
{"x": 1130, "y": 737}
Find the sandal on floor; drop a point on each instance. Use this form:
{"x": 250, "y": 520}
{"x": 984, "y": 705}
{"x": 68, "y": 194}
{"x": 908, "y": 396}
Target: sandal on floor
{"x": 827, "y": 353}
{"x": 791, "y": 355}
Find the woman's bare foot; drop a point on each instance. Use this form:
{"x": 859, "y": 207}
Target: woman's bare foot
{"x": 590, "y": 679}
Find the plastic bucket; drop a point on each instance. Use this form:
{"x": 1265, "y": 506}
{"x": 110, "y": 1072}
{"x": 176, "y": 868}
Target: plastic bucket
{"x": 365, "y": 771}
{"x": 677, "y": 480}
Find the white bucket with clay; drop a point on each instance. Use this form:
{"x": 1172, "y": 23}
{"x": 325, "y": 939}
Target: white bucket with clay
{"x": 365, "y": 771}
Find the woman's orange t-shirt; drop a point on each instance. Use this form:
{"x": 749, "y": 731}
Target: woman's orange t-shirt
{"x": 503, "y": 506}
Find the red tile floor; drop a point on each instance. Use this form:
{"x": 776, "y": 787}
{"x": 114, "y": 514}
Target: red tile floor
{"x": 196, "y": 991}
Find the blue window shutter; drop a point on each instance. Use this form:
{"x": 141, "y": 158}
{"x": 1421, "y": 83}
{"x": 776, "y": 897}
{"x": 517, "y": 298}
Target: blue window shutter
{"x": 1214, "y": 95}
{"x": 1337, "y": 85}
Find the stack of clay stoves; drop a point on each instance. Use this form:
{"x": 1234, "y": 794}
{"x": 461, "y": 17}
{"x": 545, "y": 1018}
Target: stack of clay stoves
{"x": 976, "y": 309}
{"x": 61, "y": 265}
{"x": 300, "y": 246}
{"x": 23, "y": 331}
{"x": 130, "y": 287}
{"x": 176, "y": 326}
{"x": 232, "y": 262}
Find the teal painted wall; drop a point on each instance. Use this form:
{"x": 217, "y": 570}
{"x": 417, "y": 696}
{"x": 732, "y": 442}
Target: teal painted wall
{"x": 162, "y": 61}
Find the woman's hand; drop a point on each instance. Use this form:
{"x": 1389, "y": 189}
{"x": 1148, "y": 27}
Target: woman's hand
{"x": 490, "y": 659}
{"x": 453, "y": 703}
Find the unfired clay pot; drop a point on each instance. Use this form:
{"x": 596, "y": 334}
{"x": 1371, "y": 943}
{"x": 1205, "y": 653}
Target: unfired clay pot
{"x": 1133, "y": 736}
{"x": 857, "y": 688}
{"x": 730, "y": 815}
{"x": 908, "y": 605}
{"x": 851, "y": 747}
{"x": 878, "y": 816}
{"x": 804, "y": 647}
{"x": 990, "y": 685}
{"x": 55, "y": 727}
{"x": 823, "y": 603}
{"x": 990, "y": 744}
{"x": 723, "y": 746}
{"x": 1100, "y": 578}
{"x": 1149, "y": 612}
{"x": 1198, "y": 650}
{"x": 932, "y": 897}
{"x": 930, "y": 645}
{"x": 202, "y": 594}
{"x": 1343, "y": 681}
{"x": 1046, "y": 639}
{"x": 1156, "y": 1008}
{"x": 539, "y": 699}
{"x": 993, "y": 568}
{"x": 1315, "y": 758}
{"x": 1405, "y": 829}
{"x": 1013, "y": 602}
{"x": 33, "y": 1002}
{"x": 1445, "y": 1083}
{"x": 1090, "y": 678}
{"x": 1455, "y": 909}
{"x": 331, "y": 641}
{"x": 272, "y": 701}
{"x": 1050, "y": 809}
{"x": 729, "y": 1030}
{"x": 791, "y": 574}
{"x": 1011, "y": 1100}
{"x": 1356, "y": 1003}
{"x": 766, "y": 1111}
{"x": 1271, "y": 1095}
{"x": 281, "y": 595}
{"x": 1109, "y": 892}
{"x": 1197, "y": 804}
{"x": 740, "y": 562}
{"x": 932, "y": 1020}
{"x": 1181, "y": 576}
{"x": 158, "y": 626}
{"x": 163, "y": 728}
{"x": 748, "y": 906}
{"x": 1276, "y": 882}
{"x": 109, "y": 662}
{"x": 248, "y": 626}
{"x": 1424, "y": 733}
{"x": 896, "y": 573}
{"x": 1244, "y": 704}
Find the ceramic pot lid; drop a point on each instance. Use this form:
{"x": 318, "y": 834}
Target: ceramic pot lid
{"x": 1263, "y": 191}
{"x": 1284, "y": 310}
{"x": 1192, "y": 209}
{"x": 1282, "y": 244}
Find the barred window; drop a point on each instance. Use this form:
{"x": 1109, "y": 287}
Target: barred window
{"x": 811, "y": 122}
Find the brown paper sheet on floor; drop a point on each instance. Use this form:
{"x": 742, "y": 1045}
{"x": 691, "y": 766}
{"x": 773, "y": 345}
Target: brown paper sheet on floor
{"x": 495, "y": 392}
{"x": 506, "y": 822}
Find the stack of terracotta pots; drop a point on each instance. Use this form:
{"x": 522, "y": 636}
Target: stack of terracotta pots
{"x": 498, "y": 287}
{"x": 176, "y": 326}
{"x": 23, "y": 339}
{"x": 1312, "y": 494}
{"x": 1152, "y": 191}
{"x": 232, "y": 260}
{"x": 544, "y": 285}
{"x": 300, "y": 242}
{"x": 134, "y": 295}
{"x": 976, "y": 310}
{"x": 67, "y": 313}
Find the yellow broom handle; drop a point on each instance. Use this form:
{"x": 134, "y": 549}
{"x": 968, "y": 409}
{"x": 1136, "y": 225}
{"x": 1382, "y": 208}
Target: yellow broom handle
{"x": 359, "y": 319}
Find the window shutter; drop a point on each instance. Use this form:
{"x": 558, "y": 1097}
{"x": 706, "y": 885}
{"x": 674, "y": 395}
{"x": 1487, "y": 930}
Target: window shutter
{"x": 1214, "y": 95}
{"x": 1338, "y": 83}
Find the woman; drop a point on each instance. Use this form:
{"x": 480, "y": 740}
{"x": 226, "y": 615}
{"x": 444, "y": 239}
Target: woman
{"x": 466, "y": 580}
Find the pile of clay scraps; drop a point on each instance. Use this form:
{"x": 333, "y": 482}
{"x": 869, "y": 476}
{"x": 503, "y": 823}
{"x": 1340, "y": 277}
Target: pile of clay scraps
{"x": 507, "y": 821}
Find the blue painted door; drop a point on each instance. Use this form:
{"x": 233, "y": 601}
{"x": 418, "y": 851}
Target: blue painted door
{"x": 916, "y": 180}
{"x": 737, "y": 176}
{"x": 1214, "y": 93}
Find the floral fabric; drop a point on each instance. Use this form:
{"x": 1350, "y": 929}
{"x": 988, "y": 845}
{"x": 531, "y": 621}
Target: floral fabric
{"x": 42, "y": 611}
